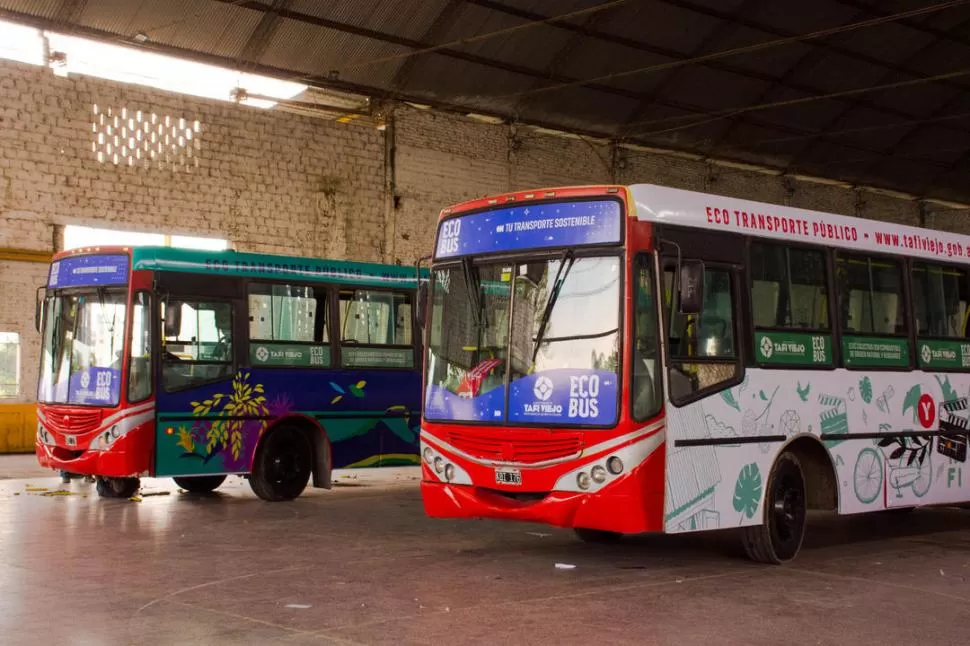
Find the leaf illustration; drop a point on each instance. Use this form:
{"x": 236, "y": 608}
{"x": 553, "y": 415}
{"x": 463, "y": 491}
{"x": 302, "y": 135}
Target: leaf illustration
{"x": 865, "y": 389}
{"x": 886, "y": 441}
{"x": 747, "y": 490}
{"x": 763, "y": 396}
{"x": 337, "y": 388}
{"x": 728, "y": 398}
{"x": 897, "y": 453}
{"x": 948, "y": 393}
{"x": 803, "y": 392}
{"x": 912, "y": 400}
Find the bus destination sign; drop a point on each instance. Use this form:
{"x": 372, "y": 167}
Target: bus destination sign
{"x": 530, "y": 226}
{"x": 89, "y": 271}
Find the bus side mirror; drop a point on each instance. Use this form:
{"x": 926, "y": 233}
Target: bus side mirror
{"x": 173, "y": 319}
{"x": 422, "y": 311}
{"x": 691, "y": 287}
{"x": 38, "y": 308}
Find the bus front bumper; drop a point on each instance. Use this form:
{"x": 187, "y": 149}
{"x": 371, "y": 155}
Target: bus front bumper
{"x": 129, "y": 456}
{"x": 629, "y": 505}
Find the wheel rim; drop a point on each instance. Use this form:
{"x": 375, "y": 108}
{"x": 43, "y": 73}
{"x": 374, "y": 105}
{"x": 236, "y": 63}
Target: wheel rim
{"x": 787, "y": 514}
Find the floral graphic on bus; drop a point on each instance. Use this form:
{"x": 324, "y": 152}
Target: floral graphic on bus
{"x": 245, "y": 400}
{"x": 865, "y": 389}
{"x": 747, "y": 491}
{"x": 228, "y": 424}
{"x": 909, "y": 464}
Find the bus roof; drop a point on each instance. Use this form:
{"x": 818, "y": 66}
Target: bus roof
{"x": 665, "y": 205}
{"x": 256, "y": 265}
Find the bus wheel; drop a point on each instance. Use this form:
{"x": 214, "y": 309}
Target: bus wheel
{"x": 117, "y": 487}
{"x": 779, "y": 537}
{"x": 281, "y": 469}
{"x": 597, "y": 535}
{"x": 200, "y": 484}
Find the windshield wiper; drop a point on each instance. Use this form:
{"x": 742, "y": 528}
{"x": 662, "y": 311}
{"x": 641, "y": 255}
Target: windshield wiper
{"x": 565, "y": 265}
{"x": 473, "y": 287}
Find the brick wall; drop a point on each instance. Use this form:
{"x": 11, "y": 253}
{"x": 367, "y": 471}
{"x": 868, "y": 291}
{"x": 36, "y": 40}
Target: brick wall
{"x": 271, "y": 181}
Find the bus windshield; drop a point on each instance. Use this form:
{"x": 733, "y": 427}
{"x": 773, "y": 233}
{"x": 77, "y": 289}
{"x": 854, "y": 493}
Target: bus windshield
{"x": 83, "y": 347}
{"x": 549, "y": 328}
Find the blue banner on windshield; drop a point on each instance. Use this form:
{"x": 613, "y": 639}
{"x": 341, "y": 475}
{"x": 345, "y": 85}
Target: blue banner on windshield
{"x": 531, "y": 226}
{"x": 95, "y": 386}
{"x": 89, "y": 271}
{"x": 561, "y": 397}
{"x": 441, "y": 403}
{"x": 564, "y": 396}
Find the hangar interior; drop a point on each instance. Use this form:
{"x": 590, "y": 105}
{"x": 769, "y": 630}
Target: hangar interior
{"x": 340, "y": 129}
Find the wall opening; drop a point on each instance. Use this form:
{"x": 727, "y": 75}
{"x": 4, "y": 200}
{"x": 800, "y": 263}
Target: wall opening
{"x": 9, "y": 365}
{"x": 76, "y": 236}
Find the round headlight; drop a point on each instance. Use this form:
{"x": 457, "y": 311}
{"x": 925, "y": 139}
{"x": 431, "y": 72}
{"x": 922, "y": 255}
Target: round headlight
{"x": 582, "y": 480}
{"x": 599, "y": 474}
{"x": 439, "y": 465}
{"x": 615, "y": 465}
{"x": 115, "y": 432}
{"x": 427, "y": 455}
{"x": 449, "y": 472}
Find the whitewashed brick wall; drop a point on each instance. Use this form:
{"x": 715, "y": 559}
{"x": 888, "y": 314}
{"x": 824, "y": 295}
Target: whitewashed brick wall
{"x": 270, "y": 181}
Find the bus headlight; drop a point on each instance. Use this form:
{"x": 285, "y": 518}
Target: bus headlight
{"x": 427, "y": 455}
{"x": 439, "y": 465}
{"x": 615, "y": 465}
{"x": 598, "y": 474}
{"x": 582, "y": 479}
{"x": 449, "y": 472}
{"x": 115, "y": 433}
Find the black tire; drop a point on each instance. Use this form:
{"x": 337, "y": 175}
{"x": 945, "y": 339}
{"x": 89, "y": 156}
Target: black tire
{"x": 200, "y": 484}
{"x": 778, "y": 539}
{"x": 281, "y": 469}
{"x": 117, "y": 487}
{"x": 597, "y": 535}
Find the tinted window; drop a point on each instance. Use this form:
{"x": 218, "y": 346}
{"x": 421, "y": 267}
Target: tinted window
{"x": 788, "y": 287}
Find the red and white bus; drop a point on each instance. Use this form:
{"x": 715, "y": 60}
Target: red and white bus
{"x": 795, "y": 360}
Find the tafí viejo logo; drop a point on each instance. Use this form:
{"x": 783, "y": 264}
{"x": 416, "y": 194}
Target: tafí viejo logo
{"x": 542, "y": 389}
{"x": 767, "y": 347}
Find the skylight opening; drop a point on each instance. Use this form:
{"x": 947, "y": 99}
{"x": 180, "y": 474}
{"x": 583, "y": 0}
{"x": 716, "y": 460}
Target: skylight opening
{"x": 74, "y": 55}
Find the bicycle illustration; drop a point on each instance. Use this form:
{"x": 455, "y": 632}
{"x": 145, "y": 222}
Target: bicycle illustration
{"x": 867, "y": 475}
{"x": 916, "y": 475}
{"x": 909, "y": 466}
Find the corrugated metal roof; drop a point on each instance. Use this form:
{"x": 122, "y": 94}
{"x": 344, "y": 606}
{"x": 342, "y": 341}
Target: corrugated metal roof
{"x": 502, "y": 56}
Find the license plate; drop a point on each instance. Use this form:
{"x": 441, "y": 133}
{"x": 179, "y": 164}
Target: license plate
{"x": 508, "y": 476}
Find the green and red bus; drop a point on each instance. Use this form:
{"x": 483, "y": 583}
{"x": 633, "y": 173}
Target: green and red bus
{"x": 201, "y": 364}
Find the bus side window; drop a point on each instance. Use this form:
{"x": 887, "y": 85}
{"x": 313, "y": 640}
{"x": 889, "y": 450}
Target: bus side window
{"x": 201, "y": 349}
{"x": 375, "y": 329}
{"x": 702, "y": 347}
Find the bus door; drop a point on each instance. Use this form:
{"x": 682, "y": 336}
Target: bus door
{"x": 704, "y": 349}
{"x": 208, "y": 410}
{"x": 379, "y": 361}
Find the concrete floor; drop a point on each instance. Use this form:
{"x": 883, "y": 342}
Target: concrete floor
{"x": 362, "y": 565}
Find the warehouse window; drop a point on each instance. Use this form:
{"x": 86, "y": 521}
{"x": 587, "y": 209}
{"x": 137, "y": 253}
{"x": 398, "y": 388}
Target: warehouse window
{"x": 78, "y": 236}
{"x": 21, "y": 43}
{"x": 9, "y": 365}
